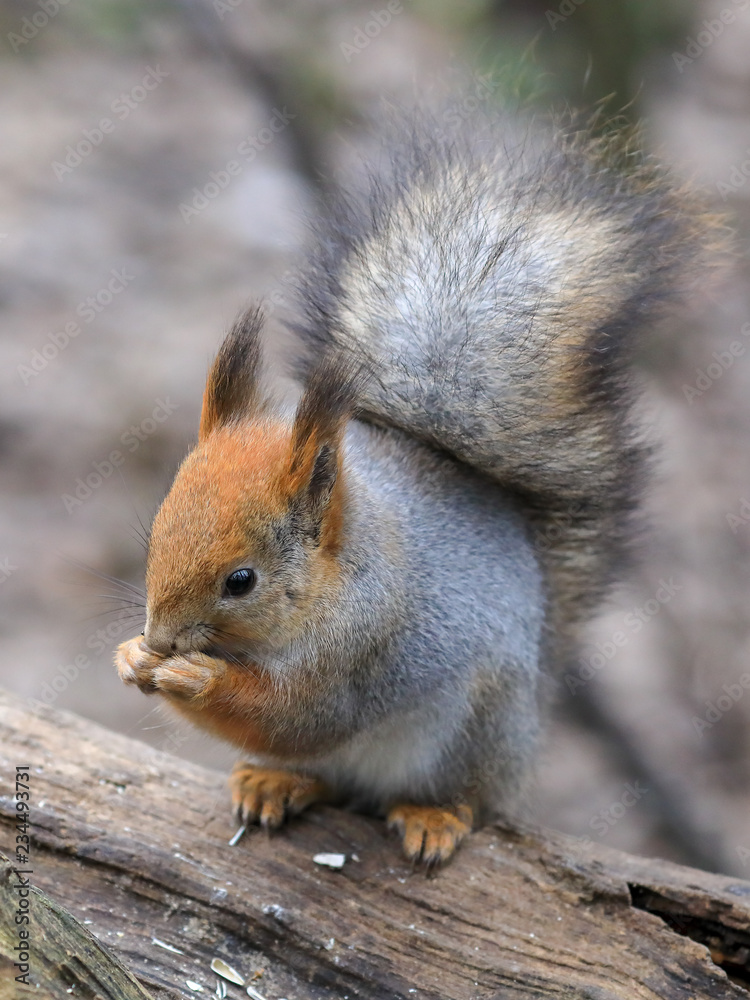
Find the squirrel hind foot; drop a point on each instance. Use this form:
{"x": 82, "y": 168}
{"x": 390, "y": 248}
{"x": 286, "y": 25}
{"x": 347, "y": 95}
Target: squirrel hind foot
{"x": 430, "y": 834}
{"x": 268, "y": 797}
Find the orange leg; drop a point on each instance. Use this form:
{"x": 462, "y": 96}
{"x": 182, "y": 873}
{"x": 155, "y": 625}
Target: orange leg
{"x": 430, "y": 834}
{"x": 264, "y": 796}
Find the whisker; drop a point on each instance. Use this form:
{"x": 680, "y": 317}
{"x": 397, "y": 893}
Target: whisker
{"x": 115, "y": 581}
{"x": 213, "y": 631}
{"x": 125, "y": 612}
{"x": 145, "y": 533}
{"x": 125, "y": 618}
{"x": 123, "y": 602}
{"x": 119, "y": 597}
{"x": 274, "y": 659}
{"x": 148, "y": 715}
{"x": 138, "y": 536}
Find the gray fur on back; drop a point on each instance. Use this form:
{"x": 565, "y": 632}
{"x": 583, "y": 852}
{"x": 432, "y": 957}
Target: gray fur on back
{"x": 452, "y": 705}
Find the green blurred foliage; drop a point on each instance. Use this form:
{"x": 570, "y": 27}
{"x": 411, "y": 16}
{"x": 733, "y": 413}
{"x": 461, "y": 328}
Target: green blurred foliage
{"x": 576, "y": 52}
{"x": 119, "y": 24}
{"x": 586, "y": 51}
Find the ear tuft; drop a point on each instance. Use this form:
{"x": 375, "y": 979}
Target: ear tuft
{"x": 327, "y": 403}
{"x": 232, "y": 387}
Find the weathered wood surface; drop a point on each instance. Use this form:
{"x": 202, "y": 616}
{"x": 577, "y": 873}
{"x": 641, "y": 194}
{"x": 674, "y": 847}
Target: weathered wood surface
{"x": 76, "y": 959}
{"x": 134, "y": 844}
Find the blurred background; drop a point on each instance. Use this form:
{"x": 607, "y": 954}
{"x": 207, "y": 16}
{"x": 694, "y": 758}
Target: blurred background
{"x": 157, "y": 163}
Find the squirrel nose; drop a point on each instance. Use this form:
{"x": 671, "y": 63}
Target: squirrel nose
{"x": 160, "y": 640}
{"x": 165, "y": 640}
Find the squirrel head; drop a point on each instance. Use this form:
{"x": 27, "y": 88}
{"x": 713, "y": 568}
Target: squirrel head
{"x": 246, "y": 541}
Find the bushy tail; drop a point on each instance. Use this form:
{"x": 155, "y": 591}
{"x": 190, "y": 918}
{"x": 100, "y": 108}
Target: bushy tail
{"x": 493, "y": 282}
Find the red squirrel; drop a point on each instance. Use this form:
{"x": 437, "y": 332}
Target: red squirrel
{"x": 366, "y": 595}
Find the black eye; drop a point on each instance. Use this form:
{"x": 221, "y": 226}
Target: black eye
{"x": 240, "y": 582}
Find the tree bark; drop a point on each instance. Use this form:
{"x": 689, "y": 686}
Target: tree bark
{"x": 133, "y": 844}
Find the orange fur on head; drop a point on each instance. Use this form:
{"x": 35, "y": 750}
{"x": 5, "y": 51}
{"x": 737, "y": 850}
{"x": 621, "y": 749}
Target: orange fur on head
{"x": 219, "y": 514}
{"x": 243, "y": 498}
{"x": 255, "y": 491}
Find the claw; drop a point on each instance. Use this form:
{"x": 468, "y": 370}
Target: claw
{"x": 268, "y": 797}
{"x": 430, "y": 834}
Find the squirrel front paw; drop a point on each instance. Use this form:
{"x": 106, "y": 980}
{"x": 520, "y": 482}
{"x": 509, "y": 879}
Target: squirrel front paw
{"x": 188, "y": 677}
{"x": 268, "y": 797}
{"x": 430, "y": 835}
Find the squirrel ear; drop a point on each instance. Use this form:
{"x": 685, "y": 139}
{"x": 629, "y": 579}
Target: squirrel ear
{"x": 232, "y": 390}
{"x": 312, "y": 499}
{"x": 319, "y": 425}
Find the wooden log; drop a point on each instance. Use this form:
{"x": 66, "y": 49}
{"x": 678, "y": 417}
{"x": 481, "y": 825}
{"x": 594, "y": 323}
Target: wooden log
{"x": 134, "y": 844}
{"x": 72, "y": 958}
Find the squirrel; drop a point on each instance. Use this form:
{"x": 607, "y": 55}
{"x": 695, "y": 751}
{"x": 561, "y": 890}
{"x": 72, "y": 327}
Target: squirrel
{"x": 368, "y": 595}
